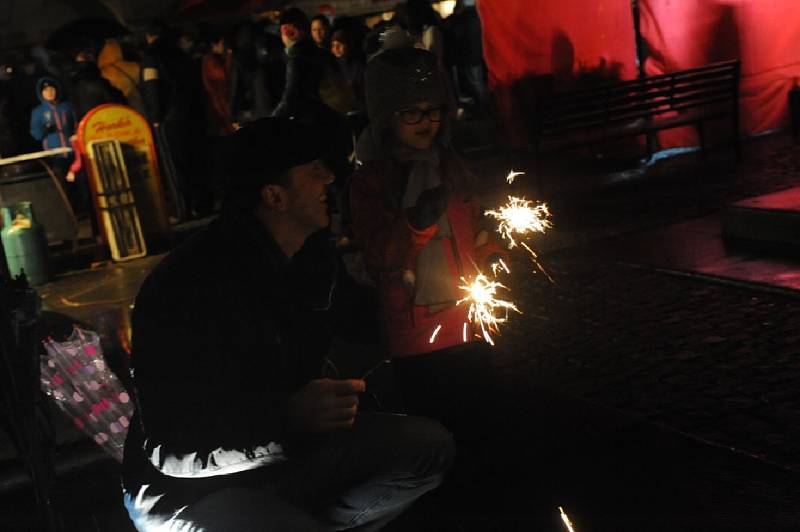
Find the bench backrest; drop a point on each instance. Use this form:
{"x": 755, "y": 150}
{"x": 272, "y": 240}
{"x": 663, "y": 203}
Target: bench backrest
{"x": 695, "y": 89}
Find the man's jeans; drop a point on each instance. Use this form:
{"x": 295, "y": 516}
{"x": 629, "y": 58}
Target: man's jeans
{"x": 357, "y": 479}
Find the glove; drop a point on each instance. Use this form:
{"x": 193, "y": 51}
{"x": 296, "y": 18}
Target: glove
{"x": 431, "y": 205}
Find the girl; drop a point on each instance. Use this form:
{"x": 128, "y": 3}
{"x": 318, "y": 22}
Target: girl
{"x": 417, "y": 220}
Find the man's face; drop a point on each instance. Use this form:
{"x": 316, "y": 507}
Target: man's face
{"x": 307, "y": 195}
{"x": 318, "y": 31}
{"x": 49, "y": 93}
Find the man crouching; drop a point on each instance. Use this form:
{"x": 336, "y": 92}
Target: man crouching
{"x": 235, "y": 430}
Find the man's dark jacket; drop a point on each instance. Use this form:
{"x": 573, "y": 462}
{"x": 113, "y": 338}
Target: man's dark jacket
{"x": 225, "y": 330}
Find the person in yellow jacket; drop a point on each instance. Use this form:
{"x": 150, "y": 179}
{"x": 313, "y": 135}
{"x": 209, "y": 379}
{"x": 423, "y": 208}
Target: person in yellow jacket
{"x": 122, "y": 74}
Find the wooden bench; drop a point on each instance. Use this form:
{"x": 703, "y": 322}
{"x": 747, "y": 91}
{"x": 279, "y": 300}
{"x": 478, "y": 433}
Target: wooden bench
{"x": 638, "y": 107}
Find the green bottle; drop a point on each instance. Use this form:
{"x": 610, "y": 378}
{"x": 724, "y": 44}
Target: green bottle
{"x": 25, "y": 243}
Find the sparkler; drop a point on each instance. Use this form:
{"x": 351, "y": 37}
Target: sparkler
{"x": 484, "y": 307}
{"x": 565, "y": 518}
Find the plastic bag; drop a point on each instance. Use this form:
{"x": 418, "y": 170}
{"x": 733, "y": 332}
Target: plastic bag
{"x": 75, "y": 375}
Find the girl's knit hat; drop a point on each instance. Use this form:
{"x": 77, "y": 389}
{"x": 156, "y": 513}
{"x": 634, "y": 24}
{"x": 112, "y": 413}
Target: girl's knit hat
{"x": 397, "y": 78}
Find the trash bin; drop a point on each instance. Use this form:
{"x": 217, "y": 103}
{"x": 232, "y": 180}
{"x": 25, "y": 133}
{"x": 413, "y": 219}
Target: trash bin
{"x": 25, "y": 243}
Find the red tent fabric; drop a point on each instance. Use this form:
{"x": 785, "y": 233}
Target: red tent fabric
{"x": 764, "y": 35}
{"x": 576, "y": 40}
{"x": 526, "y": 39}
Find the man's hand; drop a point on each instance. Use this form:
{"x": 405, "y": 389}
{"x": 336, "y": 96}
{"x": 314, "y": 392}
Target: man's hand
{"x": 325, "y": 405}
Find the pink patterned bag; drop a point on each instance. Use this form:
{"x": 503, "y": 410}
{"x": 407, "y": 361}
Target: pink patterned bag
{"x": 75, "y": 375}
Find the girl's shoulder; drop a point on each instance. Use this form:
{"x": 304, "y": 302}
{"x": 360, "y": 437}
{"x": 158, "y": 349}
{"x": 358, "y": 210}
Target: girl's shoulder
{"x": 369, "y": 170}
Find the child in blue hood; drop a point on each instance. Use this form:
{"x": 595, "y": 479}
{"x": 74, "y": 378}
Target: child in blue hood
{"x": 53, "y": 121}
{"x": 53, "y": 124}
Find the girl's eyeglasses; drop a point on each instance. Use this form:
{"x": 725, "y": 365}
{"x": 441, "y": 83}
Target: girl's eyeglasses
{"x": 414, "y": 115}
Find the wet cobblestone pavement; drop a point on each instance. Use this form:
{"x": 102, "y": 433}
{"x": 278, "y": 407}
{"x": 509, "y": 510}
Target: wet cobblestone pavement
{"x": 715, "y": 360}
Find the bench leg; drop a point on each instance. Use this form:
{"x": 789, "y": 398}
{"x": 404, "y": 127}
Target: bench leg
{"x": 702, "y": 135}
{"x": 650, "y": 141}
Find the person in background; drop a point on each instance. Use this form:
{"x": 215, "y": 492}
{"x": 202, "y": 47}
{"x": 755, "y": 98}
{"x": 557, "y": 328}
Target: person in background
{"x": 53, "y": 124}
{"x": 315, "y": 91}
{"x": 236, "y": 429}
{"x": 53, "y": 121}
{"x": 321, "y": 31}
{"x": 175, "y": 106}
{"x": 423, "y": 23}
{"x": 187, "y": 42}
{"x": 87, "y": 87}
{"x": 123, "y": 75}
{"x": 465, "y": 52}
{"x": 216, "y": 74}
{"x": 346, "y": 47}
{"x": 250, "y": 94}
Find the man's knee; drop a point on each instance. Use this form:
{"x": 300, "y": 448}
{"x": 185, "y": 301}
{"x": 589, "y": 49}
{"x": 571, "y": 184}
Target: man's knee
{"x": 428, "y": 444}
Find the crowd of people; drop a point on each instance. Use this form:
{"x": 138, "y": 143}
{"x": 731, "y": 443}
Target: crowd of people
{"x": 197, "y": 84}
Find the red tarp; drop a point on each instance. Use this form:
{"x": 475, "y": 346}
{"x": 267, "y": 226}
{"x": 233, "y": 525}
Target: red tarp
{"x": 528, "y": 38}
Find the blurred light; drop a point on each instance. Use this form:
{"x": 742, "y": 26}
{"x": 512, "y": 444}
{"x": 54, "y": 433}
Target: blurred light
{"x": 445, "y": 8}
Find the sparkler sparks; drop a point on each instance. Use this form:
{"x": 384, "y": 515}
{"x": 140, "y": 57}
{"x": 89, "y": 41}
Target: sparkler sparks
{"x": 435, "y": 332}
{"x": 565, "y": 518}
{"x": 520, "y": 216}
{"x": 499, "y": 265}
{"x": 484, "y": 307}
{"x": 513, "y": 175}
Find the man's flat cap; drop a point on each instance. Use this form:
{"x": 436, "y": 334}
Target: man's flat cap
{"x": 262, "y": 151}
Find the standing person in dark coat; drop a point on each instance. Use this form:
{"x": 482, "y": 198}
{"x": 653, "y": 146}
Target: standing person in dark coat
{"x": 88, "y": 88}
{"x": 465, "y": 51}
{"x": 315, "y": 91}
{"x": 347, "y": 46}
{"x": 236, "y": 429}
{"x": 250, "y": 96}
{"x": 173, "y": 95}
